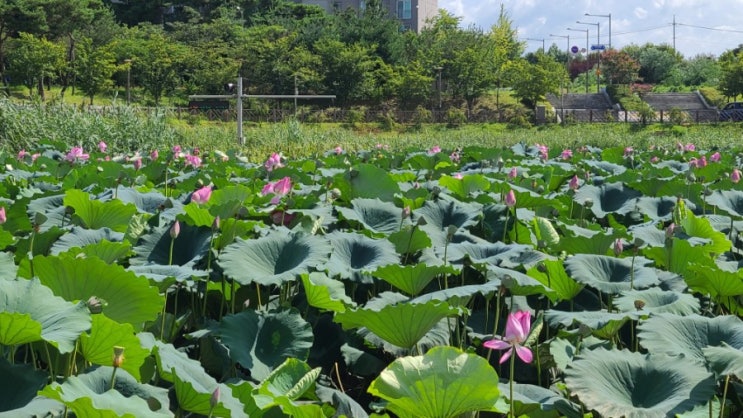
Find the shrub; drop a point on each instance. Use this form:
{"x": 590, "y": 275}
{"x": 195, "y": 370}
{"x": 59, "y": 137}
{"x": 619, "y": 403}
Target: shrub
{"x": 455, "y": 117}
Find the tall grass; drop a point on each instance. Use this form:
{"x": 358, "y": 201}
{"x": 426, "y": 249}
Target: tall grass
{"x": 125, "y": 129}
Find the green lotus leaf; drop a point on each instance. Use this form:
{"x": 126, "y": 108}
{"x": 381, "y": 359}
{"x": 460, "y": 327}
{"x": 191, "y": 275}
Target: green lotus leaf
{"x": 411, "y": 279}
{"x": 724, "y": 360}
{"x": 579, "y": 244}
{"x": 701, "y": 228}
{"x": 81, "y": 237}
{"x": 519, "y": 283}
{"x": 361, "y": 362}
{"x": 496, "y": 254}
{"x": 18, "y": 328}
{"x": 8, "y": 268}
{"x": 151, "y": 202}
{"x": 402, "y": 324}
{"x": 468, "y": 185}
{"x": 61, "y": 322}
{"x": 355, "y": 255}
{"x": 410, "y": 240}
{"x": 39, "y": 406}
{"x": 52, "y": 207}
{"x": 375, "y": 215}
{"x": 325, "y": 293}
{"x": 607, "y": 198}
{"x": 262, "y": 341}
{"x": 551, "y": 274}
{"x": 680, "y": 257}
{"x": 650, "y": 234}
{"x": 19, "y": 384}
{"x": 97, "y": 346}
{"x": 731, "y": 201}
{"x": 655, "y": 300}
{"x": 272, "y": 260}
{"x": 632, "y": 385}
{"x": 443, "y": 383}
{"x": 94, "y": 214}
{"x": 610, "y": 274}
{"x": 197, "y": 215}
{"x": 344, "y": 404}
{"x": 602, "y": 324}
{"x": 130, "y": 298}
{"x": 442, "y": 214}
{"x": 367, "y": 181}
{"x": 188, "y": 248}
{"x": 608, "y": 167}
{"x": 536, "y": 401}
{"x": 193, "y": 385}
{"x": 656, "y": 208}
{"x": 687, "y": 335}
{"x": 163, "y": 274}
{"x": 89, "y": 395}
{"x": 545, "y": 231}
{"x": 714, "y": 281}
{"x": 460, "y": 295}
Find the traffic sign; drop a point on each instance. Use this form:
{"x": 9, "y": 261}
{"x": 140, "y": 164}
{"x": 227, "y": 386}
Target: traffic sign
{"x": 574, "y": 49}
{"x": 598, "y": 47}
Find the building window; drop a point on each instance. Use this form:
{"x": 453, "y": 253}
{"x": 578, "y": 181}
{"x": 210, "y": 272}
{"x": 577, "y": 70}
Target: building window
{"x": 404, "y": 9}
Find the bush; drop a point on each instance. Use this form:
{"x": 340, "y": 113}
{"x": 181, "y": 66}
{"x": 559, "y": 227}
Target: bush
{"x": 421, "y": 116}
{"x": 356, "y": 116}
{"x": 678, "y": 117}
{"x": 455, "y": 117}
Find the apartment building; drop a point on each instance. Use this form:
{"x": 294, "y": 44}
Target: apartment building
{"x": 412, "y": 14}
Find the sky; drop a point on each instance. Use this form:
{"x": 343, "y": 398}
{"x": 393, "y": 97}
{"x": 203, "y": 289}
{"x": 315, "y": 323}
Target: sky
{"x": 702, "y": 26}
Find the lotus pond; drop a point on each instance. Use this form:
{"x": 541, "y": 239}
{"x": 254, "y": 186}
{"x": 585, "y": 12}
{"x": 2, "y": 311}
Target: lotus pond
{"x": 521, "y": 281}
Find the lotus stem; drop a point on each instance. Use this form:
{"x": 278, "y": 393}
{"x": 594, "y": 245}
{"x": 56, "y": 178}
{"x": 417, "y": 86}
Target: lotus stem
{"x": 505, "y": 227}
{"x": 497, "y": 317}
{"x": 510, "y": 384}
{"x": 632, "y": 273}
{"x": 724, "y": 396}
{"x": 224, "y": 299}
{"x": 258, "y": 294}
{"x": 113, "y": 378}
{"x": 232, "y": 297}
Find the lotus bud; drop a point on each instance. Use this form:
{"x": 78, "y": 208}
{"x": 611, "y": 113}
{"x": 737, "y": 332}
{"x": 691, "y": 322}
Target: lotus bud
{"x": 137, "y": 164}
{"x": 588, "y": 203}
{"x": 406, "y": 212}
{"x": 542, "y": 268}
{"x": 214, "y": 399}
{"x": 513, "y": 173}
{"x": 99, "y": 169}
{"x": 574, "y": 183}
{"x": 95, "y": 305}
{"x": 670, "y": 230}
{"x": 3, "y": 215}
{"x": 118, "y": 358}
{"x": 690, "y": 177}
{"x": 335, "y": 194}
{"x": 735, "y": 175}
{"x": 510, "y": 199}
{"x": 450, "y": 231}
{"x": 436, "y": 191}
{"x": 175, "y": 230}
{"x": 215, "y": 224}
{"x": 618, "y": 247}
{"x": 639, "y": 304}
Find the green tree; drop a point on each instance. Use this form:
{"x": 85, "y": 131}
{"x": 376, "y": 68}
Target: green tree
{"x": 18, "y": 16}
{"x": 412, "y": 85}
{"x": 731, "y": 79}
{"x": 531, "y": 82}
{"x": 33, "y": 59}
{"x": 159, "y": 65}
{"x": 656, "y": 61}
{"x": 507, "y": 47}
{"x": 94, "y": 69}
{"x": 347, "y": 70}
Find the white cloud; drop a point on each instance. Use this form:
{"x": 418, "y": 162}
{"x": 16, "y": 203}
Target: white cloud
{"x": 641, "y": 13}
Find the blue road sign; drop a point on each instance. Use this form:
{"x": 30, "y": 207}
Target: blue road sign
{"x": 574, "y": 49}
{"x": 598, "y": 47}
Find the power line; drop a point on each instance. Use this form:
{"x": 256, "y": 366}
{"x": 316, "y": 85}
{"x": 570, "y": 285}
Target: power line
{"x": 708, "y": 28}
{"x": 643, "y": 30}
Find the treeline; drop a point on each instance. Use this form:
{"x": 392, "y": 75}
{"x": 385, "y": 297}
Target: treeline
{"x": 174, "y": 49}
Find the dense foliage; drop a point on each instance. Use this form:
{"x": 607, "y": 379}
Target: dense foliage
{"x": 184, "y": 281}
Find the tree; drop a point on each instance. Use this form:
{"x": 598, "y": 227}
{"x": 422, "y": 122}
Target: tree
{"x": 94, "y": 69}
{"x": 346, "y": 69}
{"x": 507, "y": 47}
{"x": 34, "y": 59}
{"x": 412, "y": 85}
{"x": 656, "y": 61}
{"x": 18, "y": 16}
{"x": 619, "y": 67}
{"x": 731, "y": 80}
{"x": 159, "y": 66}
{"x": 532, "y": 82}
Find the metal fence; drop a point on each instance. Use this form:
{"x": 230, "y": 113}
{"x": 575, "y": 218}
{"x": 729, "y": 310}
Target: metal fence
{"x": 624, "y": 116}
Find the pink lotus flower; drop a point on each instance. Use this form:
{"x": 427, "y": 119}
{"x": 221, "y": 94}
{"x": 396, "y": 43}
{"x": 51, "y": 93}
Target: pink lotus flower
{"x": 76, "y": 153}
{"x": 22, "y": 154}
{"x": 510, "y": 199}
{"x": 543, "y": 151}
{"x": 202, "y": 195}
{"x": 566, "y": 154}
{"x": 458, "y": 176}
{"x": 654, "y": 159}
{"x": 628, "y": 151}
{"x": 102, "y": 146}
{"x": 137, "y": 163}
{"x": 702, "y": 162}
{"x": 193, "y": 161}
{"x": 279, "y": 188}
{"x": 177, "y": 149}
{"x": 273, "y": 162}
{"x": 154, "y": 155}
{"x": 175, "y": 230}
{"x": 338, "y": 150}
{"x": 518, "y": 326}
{"x": 454, "y": 157}
{"x": 618, "y": 247}
{"x": 690, "y": 147}
{"x": 434, "y": 150}
{"x": 574, "y": 183}
{"x": 735, "y": 175}
{"x": 715, "y": 157}
{"x": 694, "y": 163}
{"x": 3, "y": 216}
{"x": 513, "y": 173}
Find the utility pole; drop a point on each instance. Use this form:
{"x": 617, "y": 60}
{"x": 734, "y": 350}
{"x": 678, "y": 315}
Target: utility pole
{"x": 598, "y": 43}
{"x": 567, "y": 51}
{"x": 586, "y": 31}
{"x": 609, "y": 16}
{"x": 240, "y": 96}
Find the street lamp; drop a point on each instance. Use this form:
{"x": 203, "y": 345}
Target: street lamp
{"x": 586, "y": 31}
{"x": 598, "y": 43}
{"x": 609, "y": 16}
{"x": 128, "y": 63}
{"x": 438, "y": 83}
{"x": 538, "y": 40}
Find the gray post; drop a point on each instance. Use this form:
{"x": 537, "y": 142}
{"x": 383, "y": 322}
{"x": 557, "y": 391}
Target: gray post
{"x": 240, "y": 138}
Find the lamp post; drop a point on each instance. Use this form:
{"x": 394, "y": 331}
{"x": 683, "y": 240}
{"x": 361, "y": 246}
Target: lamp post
{"x": 609, "y": 16}
{"x": 586, "y": 31}
{"x": 538, "y": 40}
{"x": 598, "y": 42}
{"x": 438, "y": 83}
{"x": 128, "y": 63}
{"x": 567, "y": 51}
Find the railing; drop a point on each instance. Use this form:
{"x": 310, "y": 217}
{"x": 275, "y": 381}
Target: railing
{"x": 624, "y": 116}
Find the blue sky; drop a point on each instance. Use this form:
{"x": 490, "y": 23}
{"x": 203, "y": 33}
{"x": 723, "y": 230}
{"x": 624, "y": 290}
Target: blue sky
{"x": 702, "y": 26}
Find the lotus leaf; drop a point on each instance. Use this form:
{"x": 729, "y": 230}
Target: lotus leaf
{"x": 94, "y": 214}
{"x": 356, "y": 255}
{"x": 632, "y": 385}
{"x": 610, "y": 274}
{"x": 19, "y": 385}
{"x": 731, "y": 201}
{"x": 442, "y": 214}
{"x": 189, "y": 247}
{"x": 495, "y": 254}
{"x": 97, "y": 346}
{"x": 655, "y": 300}
{"x": 552, "y": 275}
{"x": 411, "y": 279}
{"x": 443, "y": 383}
{"x": 607, "y": 198}
{"x": 325, "y": 293}
{"x": 375, "y": 215}
{"x": 725, "y": 360}
{"x": 688, "y": 335}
